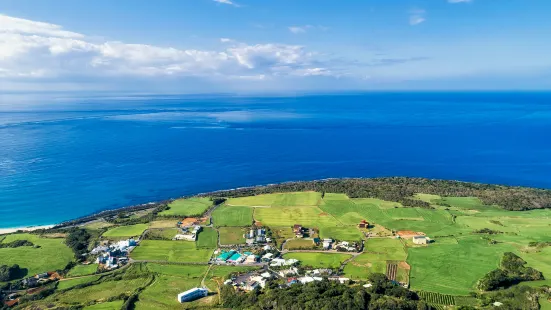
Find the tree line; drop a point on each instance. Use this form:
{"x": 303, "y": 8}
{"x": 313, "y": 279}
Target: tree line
{"x": 402, "y": 189}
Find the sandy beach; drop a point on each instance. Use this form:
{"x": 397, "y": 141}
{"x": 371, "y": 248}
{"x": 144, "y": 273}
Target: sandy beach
{"x": 31, "y": 228}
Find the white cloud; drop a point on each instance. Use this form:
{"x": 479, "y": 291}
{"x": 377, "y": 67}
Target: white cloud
{"x": 305, "y": 28}
{"x": 229, "y": 2}
{"x": 416, "y": 17}
{"x": 459, "y": 1}
{"x": 37, "y": 50}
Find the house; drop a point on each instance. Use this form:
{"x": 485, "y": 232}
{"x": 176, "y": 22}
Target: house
{"x": 288, "y": 272}
{"x": 316, "y": 241}
{"x": 267, "y": 257}
{"x": 266, "y": 275}
{"x": 30, "y": 282}
{"x": 249, "y": 241}
{"x": 251, "y": 259}
{"x": 421, "y": 239}
{"x": 192, "y": 294}
{"x": 251, "y": 285}
{"x": 363, "y": 224}
{"x": 342, "y": 280}
{"x": 42, "y": 275}
{"x": 99, "y": 249}
{"x": 261, "y": 232}
{"x": 251, "y": 234}
{"x": 297, "y": 229}
{"x": 188, "y": 237}
{"x": 327, "y": 243}
{"x": 267, "y": 247}
{"x": 291, "y": 281}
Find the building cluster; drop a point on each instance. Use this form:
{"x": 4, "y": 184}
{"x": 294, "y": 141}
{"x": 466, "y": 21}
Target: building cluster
{"x": 114, "y": 255}
{"x": 250, "y": 281}
{"x": 346, "y": 246}
{"x": 39, "y": 279}
{"x": 256, "y": 236}
{"x": 292, "y": 276}
{"x": 235, "y": 257}
{"x": 299, "y": 231}
{"x": 188, "y": 233}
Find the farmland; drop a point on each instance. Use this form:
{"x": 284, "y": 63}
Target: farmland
{"x": 319, "y": 260}
{"x": 469, "y": 239}
{"x": 187, "y": 207}
{"x": 51, "y": 254}
{"x": 171, "y": 251}
{"x": 126, "y": 231}
{"x": 231, "y": 235}
{"x": 232, "y": 216}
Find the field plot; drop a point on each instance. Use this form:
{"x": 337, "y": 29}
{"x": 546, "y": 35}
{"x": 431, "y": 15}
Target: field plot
{"x": 98, "y": 224}
{"x": 319, "y": 260}
{"x": 169, "y": 282}
{"x": 82, "y": 270}
{"x": 162, "y": 233}
{"x": 98, "y": 292}
{"x": 348, "y": 233}
{"x": 231, "y": 235}
{"x": 436, "y": 298}
{"x": 187, "y": 207}
{"x": 377, "y": 253}
{"x": 295, "y": 244}
{"x": 126, "y": 231}
{"x": 207, "y": 238}
{"x": 65, "y": 284}
{"x": 454, "y": 268}
{"x": 113, "y": 305}
{"x": 232, "y": 216}
{"x": 163, "y": 224}
{"x": 171, "y": 251}
{"x": 51, "y": 255}
{"x": 288, "y": 216}
{"x": 278, "y": 200}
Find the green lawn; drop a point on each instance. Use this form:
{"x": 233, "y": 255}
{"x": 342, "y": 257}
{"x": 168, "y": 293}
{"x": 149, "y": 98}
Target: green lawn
{"x": 278, "y": 200}
{"x": 188, "y": 207}
{"x": 126, "y": 231}
{"x": 207, "y": 238}
{"x": 82, "y": 270}
{"x": 51, "y": 255}
{"x": 231, "y": 235}
{"x": 232, "y": 216}
{"x": 299, "y": 244}
{"x": 74, "y": 282}
{"x": 319, "y": 260}
{"x": 171, "y": 251}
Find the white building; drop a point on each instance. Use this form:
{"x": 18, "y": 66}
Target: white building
{"x": 192, "y": 294}
{"x": 421, "y": 239}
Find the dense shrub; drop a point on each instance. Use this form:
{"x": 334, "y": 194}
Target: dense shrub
{"x": 78, "y": 240}
{"x": 8, "y": 273}
{"x": 511, "y": 271}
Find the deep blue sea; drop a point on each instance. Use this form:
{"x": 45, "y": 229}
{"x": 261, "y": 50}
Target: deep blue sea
{"x": 64, "y": 159}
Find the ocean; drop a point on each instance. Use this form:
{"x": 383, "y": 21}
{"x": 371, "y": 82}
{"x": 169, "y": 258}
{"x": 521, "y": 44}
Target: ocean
{"x": 61, "y": 159}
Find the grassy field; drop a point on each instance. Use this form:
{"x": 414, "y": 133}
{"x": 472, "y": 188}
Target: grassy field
{"x": 374, "y": 259}
{"x": 319, "y": 260}
{"x": 231, "y": 235}
{"x": 113, "y": 305}
{"x": 82, "y": 270}
{"x": 126, "y": 231}
{"x": 207, "y": 238}
{"x": 288, "y": 216}
{"x": 298, "y": 244}
{"x": 51, "y": 255}
{"x": 171, "y": 251}
{"x": 99, "y": 292}
{"x": 348, "y": 233}
{"x": 169, "y": 282}
{"x": 232, "y": 216}
{"x": 74, "y": 282}
{"x": 278, "y": 200}
{"x": 98, "y": 225}
{"x": 163, "y": 224}
{"x": 187, "y": 207}
{"x": 164, "y": 233}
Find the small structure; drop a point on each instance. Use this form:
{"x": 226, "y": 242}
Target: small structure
{"x": 363, "y": 224}
{"x": 327, "y": 243}
{"x": 288, "y": 272}
{"x": 267, "y": 257}
{"x": 421, "y": 239}
{"x": 298, "y": 230}
{"x": 192, "y": 294}
{"x": 251, "y": 285}
{"x": 251, "y": 259}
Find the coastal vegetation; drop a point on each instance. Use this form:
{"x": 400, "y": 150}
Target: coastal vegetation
{"x": 470, "y": 235}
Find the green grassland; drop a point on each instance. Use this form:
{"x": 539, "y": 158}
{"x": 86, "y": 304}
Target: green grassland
{"x": 232, "y": 216}
{"x": 113, "y": 305}
{"x": 82, "y": 270}
{"x": 348, "y": 233}
{"x": 171, "y": 251}
{"x": 125, "y": 231}
{"x": 207, "y": 238}
{"x": 99, "y": 292}
{"x": 374, "y": 259}
{"x": 52, "y": 254}
{"x": 288, "y": 216}
{"x": 162, "y": 233}
{"x": 231, "y": 235}
{"x": 187, "y": 207}
{"x": 278, "y": 200}
{"x": 299, "y": 244}
{"x": 65, "y": 284}
{"x": 319, "y": 260}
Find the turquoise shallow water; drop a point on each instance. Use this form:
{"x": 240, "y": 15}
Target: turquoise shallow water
{"x": 60, "y": 161}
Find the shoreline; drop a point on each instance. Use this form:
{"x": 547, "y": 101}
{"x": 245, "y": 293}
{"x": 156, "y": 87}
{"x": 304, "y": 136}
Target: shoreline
{"x": 28, "y": 228}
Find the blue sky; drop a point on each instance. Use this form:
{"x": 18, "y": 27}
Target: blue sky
{"x": 202, "y": 46}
